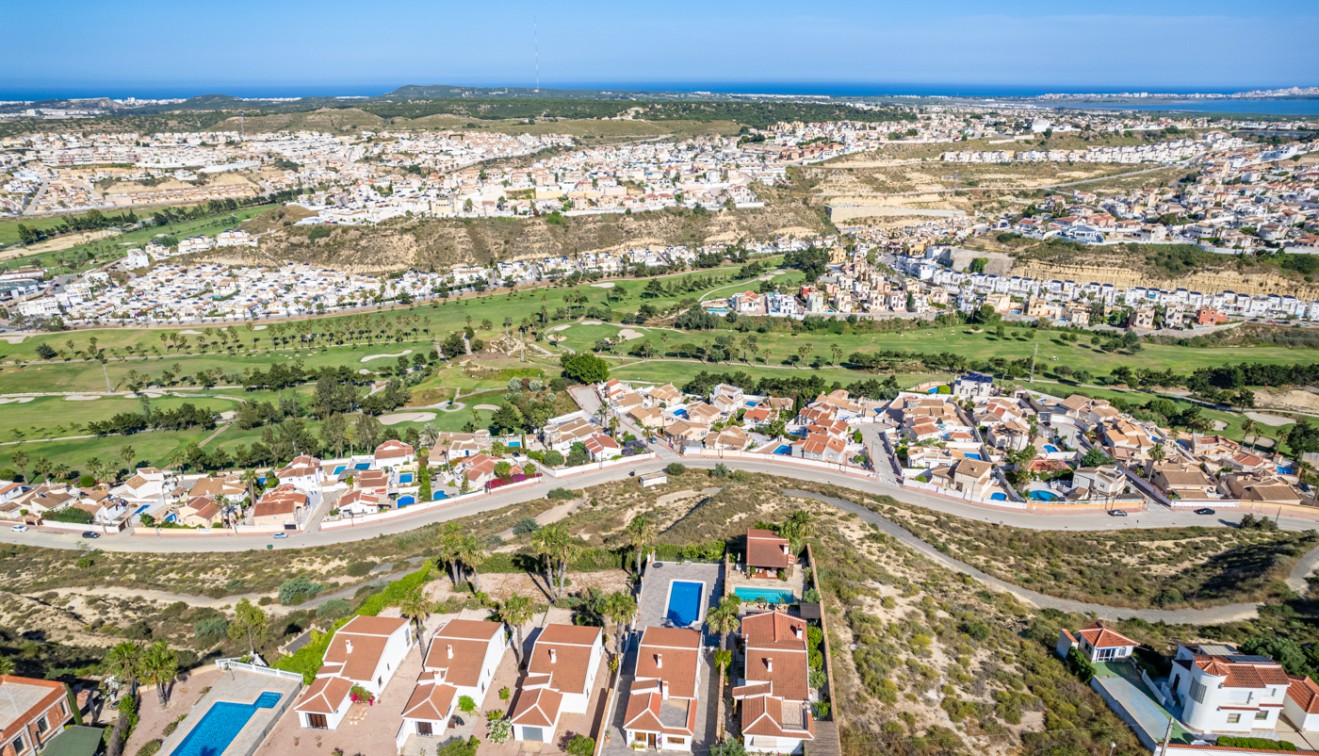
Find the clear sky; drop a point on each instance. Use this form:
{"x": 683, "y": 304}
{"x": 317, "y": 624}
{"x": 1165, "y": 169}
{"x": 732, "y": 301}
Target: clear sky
{"x": 95, "y": 46}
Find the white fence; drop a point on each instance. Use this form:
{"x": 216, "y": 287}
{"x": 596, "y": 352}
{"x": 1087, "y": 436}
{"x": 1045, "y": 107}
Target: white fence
{"x": 232, "y": 664}
{"x": 597, "y": 466}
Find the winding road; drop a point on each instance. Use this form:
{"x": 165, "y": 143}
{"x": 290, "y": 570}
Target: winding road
{"x": 1158, "y": 517}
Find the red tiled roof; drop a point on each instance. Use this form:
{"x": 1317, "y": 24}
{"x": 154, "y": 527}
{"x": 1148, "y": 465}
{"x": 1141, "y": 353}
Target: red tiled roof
{"x": 765, "y": 549}
{"x": 1305, "y": 693}
{"x": 1100, "y": 636}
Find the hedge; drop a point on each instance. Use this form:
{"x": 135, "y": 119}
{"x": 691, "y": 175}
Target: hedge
{"x": 1264, "y": 744}
{"x": 307, "y": 660}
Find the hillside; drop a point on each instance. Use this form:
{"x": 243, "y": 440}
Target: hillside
{"x": 438, "y": 243}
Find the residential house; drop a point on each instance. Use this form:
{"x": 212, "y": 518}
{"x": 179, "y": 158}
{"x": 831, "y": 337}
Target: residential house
{"x": 280, "y": 507}
{"x": 366, "y": 652}
{"x": 1183, "y": 480}
{"x": 479, "y": 471}
{"x": 662, "y": 704}
{"x": 1262, "y": 489}
{"x": 452, "y": 446}
{"x": 1096, "y": 642}
{"x": 1302, "y": 705}
{"x": 561, "y": 672}
{"x": 602, "y": 447}
{"x": 359, "y": 502}
{"x": 303, "y": 473}
{"x": 201, "y": 512}
{"x": 1104, "y": 483}
{"x": 973, "y": 386}
{"x": 768, "y": 554}
{"x": 227, "y": 488}
{"x": 731, "y": 438}
{"x": 32, "y": 711}
{"x": 461, "y": 661}
{"x": 1222, "y": 690}
{"x": 394, "y": 454}
{"x": 775, "y": 690}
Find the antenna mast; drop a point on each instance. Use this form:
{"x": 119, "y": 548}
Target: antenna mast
{"x": 535, "y": 43}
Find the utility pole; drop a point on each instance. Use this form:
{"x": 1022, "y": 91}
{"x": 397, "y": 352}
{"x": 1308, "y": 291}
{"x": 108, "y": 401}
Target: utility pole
{"x": 1033, "y": 355}
{"x": 535, "y": 44}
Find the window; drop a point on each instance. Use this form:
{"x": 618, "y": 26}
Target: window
{"x": 1198, "y": 691}
{"x": 424, "y": 728}
{"x": 317, "y": 721}
{"x": 18, "y": 745}
{"x": 1262, "y": 714}
{"x": 42, "y": 724}
{"x": 1233, "y": 718}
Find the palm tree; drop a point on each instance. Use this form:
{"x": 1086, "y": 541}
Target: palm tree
{"x": 7, "y": 665}
{"x": 471, "y": 552}
{"x": 640, "y": 532}
{"x": 725, "y": 618}
{"x": 797, "y": 528}
{"x": 159, "y": 666}
{"x": 515, "y": 611}
{"x": 722, "y": 658}
{"x": 416, "y": 608}
{"x": 558, "y": 547}
{"x": 124, "y": 662}
{"x": 618, "y": 607}
{"x": 251, "y": 479}
{"x": 450, "y": 549}
{"x": 1248, "y": 429}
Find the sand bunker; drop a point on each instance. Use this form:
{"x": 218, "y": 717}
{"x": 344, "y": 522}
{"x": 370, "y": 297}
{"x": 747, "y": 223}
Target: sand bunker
{"x": 407, "y": 417}
{"x": 1264, "y": 418}
{"x": 259, "y": 328}
{"x": 370, "y": 357}
{"x": 490, "y": 407}
{"x": 604, "y": 285}
{"x": 81, "y": 398}
{"x": 627, "y": 334}
{"x": 557, "y": 328}
{"x": 14, "y": 339}
{"x": 15, "y": 400}
{"x": 191, "y": 332}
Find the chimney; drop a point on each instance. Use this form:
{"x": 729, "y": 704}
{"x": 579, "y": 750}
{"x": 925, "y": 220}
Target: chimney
{"x": 449, "y": 651}
{"x": 349, "y": 643}
{"x": 769, "y": 665}
{"x": 659, "y": 661}
{"x": 784, "y": 546}
{"x": 554, "y": 657}
{"x": 796, "y": 631}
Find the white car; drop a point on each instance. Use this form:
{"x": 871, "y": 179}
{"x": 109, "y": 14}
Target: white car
{"x": 19, "y": 528}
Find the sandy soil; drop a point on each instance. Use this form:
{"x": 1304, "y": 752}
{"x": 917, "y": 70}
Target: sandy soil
{"x": 1264, "y": 418}
{"x": 370, "y": 357}
{"x": 81, "y": 398}
{"x": 489, "y": 407}
{"x": 58, "y": 243}
{"x": 627, "y": 334}
{"x": 407, "y": 417}
{"x": 604, "y": 285}
{"x": 14, "y": 339}
{"x": 16, "y": 400}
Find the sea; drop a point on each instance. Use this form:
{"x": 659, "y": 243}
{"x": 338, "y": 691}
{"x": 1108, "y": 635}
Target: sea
{"x": 1291, "y": 106}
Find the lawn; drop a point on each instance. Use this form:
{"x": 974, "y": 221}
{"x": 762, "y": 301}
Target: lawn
{"x": 46, "y": 417}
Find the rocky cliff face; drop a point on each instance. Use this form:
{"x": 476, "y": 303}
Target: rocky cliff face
{"x": 1206, "y": 281}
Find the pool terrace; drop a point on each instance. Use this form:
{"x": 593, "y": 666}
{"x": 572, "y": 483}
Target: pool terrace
{"x": 657, "y": 590}
{"x": 234, "y": 690}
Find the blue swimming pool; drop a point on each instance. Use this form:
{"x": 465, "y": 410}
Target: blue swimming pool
{"x": 405, "y": 478}
{"x": 974, "y": 455}
{"x": 514, "y": 444}
{"x": 685, "y": 600}
{"x": 439, "y": 495}
{"x": 339, "y": 470}
{"x": 1284, "y": 470}
{"x": 221, "y": 724}
{"x": 403, "y": 501}
{"x": 171, "y": 517}
{"x": 1043, "y": 495}
{"x": 142, "y": 509}
{"x": 362, "y": 466}
{"x": 1050, "y": 448}
{"x": 768, "y": 595}
{"x": 784, "y": 449}
{"x": 998, "y": 496}
{"x": 680, "y": 413}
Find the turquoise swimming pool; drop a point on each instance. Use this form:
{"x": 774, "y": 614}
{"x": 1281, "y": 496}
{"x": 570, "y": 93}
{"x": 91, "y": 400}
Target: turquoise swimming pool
{"x": 768, "y": 595}
{"x": 685, "y": 599}
{"x": 221, "y": 724}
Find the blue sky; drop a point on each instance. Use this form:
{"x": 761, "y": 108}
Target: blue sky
{"x": 89, "y": 46}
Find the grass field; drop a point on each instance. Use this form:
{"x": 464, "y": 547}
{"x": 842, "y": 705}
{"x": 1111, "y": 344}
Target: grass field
{"x": 83, "y": 256}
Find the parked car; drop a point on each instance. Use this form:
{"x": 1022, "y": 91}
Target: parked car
{"x": 1205, "y": 511}
{"x": 19, "y": 528}
{"x": 90, "y": 534}
{"x": 1117, "y": 513}
{"x": 280, "y": 535}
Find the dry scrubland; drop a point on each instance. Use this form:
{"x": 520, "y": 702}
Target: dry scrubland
{"x": 925, "y": 661}
{"x": 438, "y": 243}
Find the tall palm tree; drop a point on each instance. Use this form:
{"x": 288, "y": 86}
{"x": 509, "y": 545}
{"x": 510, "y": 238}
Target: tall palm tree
{"x": 124, "y": 662}
{"x": 250, "y": 479}
{"x": 1248, "y": 429}
{"x": 618, "y": 607}
{"x": 472, "y": 552}
{"x": 557, "y": 547}
{"x": 416, "y": 608}
{"x": 159, "y": 666}
{"x": 514, "y": 612}
{"x": 640, "y": 532}
{"x": 449, "y": 551}
{"x": 797, "y": 528}
{"x": 725, "y": 618}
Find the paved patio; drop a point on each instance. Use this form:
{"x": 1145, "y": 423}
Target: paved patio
{"x": 152, "y": 718}
{"x": 241, "y": 686}
{"x": 652, "y": 606}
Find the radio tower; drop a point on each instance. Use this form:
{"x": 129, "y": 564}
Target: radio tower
{"x": 535, "y": 44}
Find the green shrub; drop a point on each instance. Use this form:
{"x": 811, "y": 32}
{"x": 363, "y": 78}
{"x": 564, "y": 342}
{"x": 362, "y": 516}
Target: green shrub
{"x": 298, "y": 589}
{"x": 360, "y": 568}
{"x": 1235, "y": 741}
{"x": 150, "y": 748}
{"x": 581, "y": 745}
{"x": 675, "y": 469}
{"x": 528, "y": 525}
{"x": 560, "y": 494}
{"x": 70, "y": 514}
